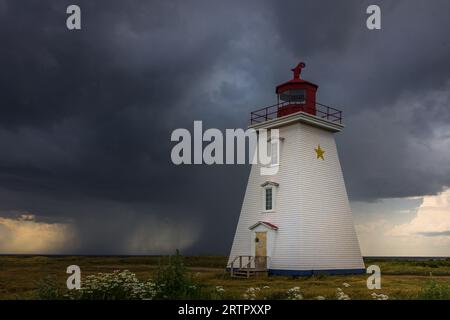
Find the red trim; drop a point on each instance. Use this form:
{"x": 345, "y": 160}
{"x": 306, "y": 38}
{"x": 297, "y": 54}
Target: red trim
{"x": 267, "y": 224}
{"x": 294, "y": 84}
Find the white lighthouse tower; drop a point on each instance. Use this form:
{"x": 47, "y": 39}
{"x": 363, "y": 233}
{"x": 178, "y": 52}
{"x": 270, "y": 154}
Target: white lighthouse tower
{"x": 297, "y": 221}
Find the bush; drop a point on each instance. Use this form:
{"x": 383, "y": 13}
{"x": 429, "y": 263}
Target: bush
{"x": 435, "y": 290}
{"x": 174, "y": 282}
{"x": 118, "y": 285}
{"x": 48, "y": 289}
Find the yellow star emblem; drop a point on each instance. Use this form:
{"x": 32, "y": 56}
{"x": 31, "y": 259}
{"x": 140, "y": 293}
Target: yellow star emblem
{"x": 319, "y": 152}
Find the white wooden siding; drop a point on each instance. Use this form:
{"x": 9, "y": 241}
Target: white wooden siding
{"x": 311, "y": 210}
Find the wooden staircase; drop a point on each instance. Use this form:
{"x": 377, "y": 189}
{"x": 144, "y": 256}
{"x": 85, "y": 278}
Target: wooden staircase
{"x": 246, "y": 267}
{"x": 243, "y": 273}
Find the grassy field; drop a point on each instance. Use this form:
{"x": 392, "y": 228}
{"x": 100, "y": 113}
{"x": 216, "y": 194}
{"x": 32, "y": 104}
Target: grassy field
{"x": 20, "y": 276}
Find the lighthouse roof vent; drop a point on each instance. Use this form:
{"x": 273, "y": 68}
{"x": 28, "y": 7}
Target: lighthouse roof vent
{"x": 296, "y": 81}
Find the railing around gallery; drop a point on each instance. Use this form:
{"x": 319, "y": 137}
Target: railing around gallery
{"x": 273, "y": 111}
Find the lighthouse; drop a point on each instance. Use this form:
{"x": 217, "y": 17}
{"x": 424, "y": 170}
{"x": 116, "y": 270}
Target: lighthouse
{"x": 297, "y": 221}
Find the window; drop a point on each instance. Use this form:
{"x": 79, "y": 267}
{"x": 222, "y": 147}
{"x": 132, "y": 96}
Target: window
{"x": 268, "y": 199}
{"x": 294, "y": 95}
{"x": 268, "y": 196}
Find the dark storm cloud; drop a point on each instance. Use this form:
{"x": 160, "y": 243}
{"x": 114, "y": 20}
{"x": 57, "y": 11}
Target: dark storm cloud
{"x": 86, "y": 116}
{"x": 393, "y": 85}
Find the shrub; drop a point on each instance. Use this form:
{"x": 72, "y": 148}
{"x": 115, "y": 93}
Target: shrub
{"x": 174, "y": 282}
{"x": 435, "y": 290}
{"x": 48, "y": 289}
{"x": 118, "y": 285}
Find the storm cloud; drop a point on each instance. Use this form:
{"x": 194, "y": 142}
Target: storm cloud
{"x": 86, "y": 116}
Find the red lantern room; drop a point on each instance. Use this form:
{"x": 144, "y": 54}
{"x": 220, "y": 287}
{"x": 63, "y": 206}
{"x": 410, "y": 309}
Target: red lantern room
{"x": 296, "y": 94}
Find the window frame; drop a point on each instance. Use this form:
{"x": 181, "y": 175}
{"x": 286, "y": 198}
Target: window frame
{"x": 264, "y": 198}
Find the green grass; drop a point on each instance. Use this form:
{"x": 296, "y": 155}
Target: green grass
{"x": 404, "y": 267}
{"x": 20, "y": 276}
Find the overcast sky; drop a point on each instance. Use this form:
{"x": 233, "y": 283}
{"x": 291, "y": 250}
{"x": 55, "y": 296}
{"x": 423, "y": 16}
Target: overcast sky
{"x": 86, "y": 116}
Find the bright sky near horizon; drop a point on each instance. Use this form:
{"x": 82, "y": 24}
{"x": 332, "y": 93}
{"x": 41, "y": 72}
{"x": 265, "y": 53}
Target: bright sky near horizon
{"x": 417, "y": 226}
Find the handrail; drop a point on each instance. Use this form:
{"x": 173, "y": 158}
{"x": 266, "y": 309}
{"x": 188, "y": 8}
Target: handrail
{"x": 319, "y": 110}
{"x": 248, "y": 267}
{"x": 249, "y": 264}
{"x": 232, "y": 262}
{"x": 250, "y": 260}
{"x": 240, "y": 259}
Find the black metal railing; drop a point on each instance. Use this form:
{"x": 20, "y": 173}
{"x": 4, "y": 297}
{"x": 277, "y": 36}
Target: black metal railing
{"x": 274, "y": 111}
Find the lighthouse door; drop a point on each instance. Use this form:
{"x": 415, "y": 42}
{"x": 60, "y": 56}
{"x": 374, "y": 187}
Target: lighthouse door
{"x": 261, "y": 250}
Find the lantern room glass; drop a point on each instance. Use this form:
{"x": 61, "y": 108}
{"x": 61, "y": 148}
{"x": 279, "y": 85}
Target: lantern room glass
{"x": 297, "y": 96}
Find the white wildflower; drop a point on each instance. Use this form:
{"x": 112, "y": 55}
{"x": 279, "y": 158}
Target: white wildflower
{"x": 379, "y": 296}
{"x": 294, "y": 294}
{"x": 220, "y": 289}
{"x": 116, "y": 285}
{"x": 340, "y": 295}
{"x": 251, "y": 293}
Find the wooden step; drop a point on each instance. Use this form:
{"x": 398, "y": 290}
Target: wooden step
{"x": 243, "y": 273}
{"x": 239, "y": 276}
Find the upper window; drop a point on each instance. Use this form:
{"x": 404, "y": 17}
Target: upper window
{"x": 268, "y": 198}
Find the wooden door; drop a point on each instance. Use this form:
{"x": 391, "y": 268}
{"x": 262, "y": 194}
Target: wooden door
{"x": 261, "y": 250}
